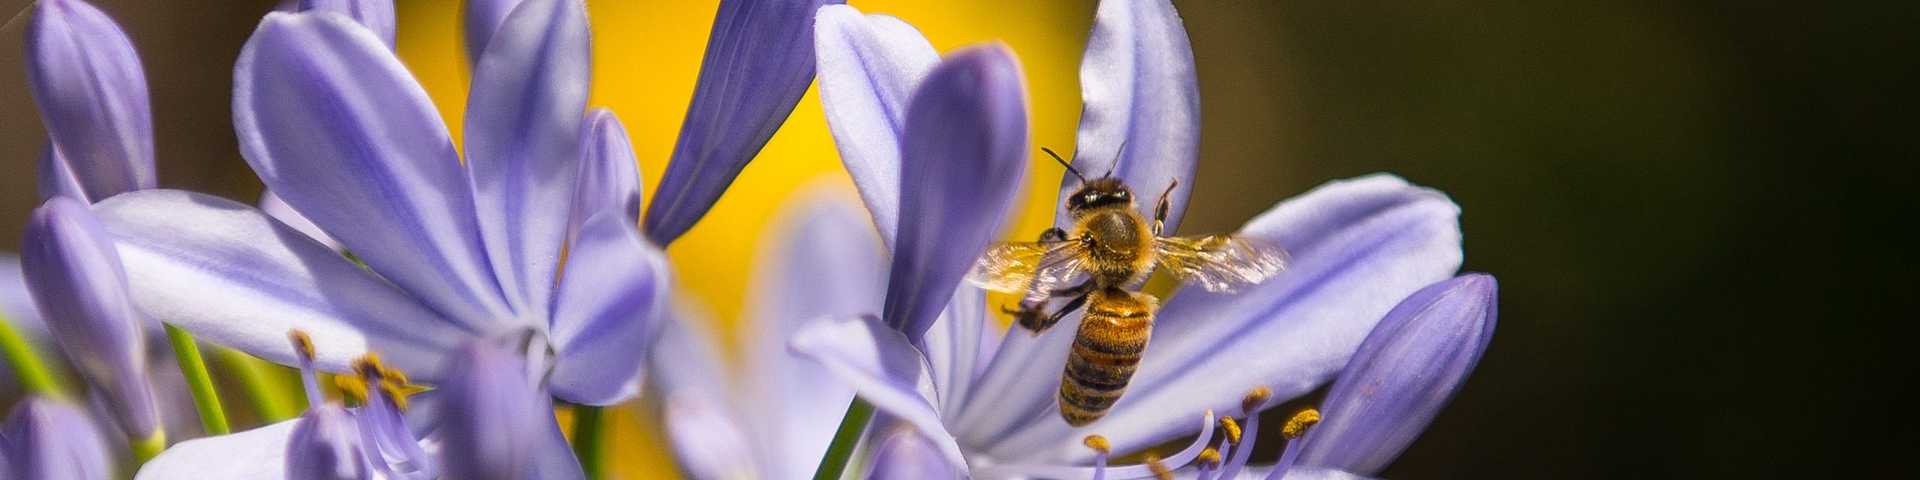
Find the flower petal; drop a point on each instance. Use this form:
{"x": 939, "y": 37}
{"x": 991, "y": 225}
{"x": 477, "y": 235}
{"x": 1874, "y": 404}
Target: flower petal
{"x": 325, "y": 445}
{"x": 92, "y": 94}
{"x": 954, "y": 346}
{"x": 523, "y": 143}
{"x": 1407, "y": 369}
{"x": 1358, "y": 247}
{"x": 376, "y": 15}
{"x": 823, "y": 261}
{"x": 335, "y": 126}
{"x": 254, "y": 454}
{"x": 16, "y": 303}
{"x": 1137, "y": 82}
{"x": 75, "y": 277}
{"x": 610, "y": 303}
{"x": 490, "y": 406}
{"x": 483, "y": 18}
{"x": 869, "y": 65}
{"x": 235, "y": 277}
{"x": 758, "y": 63}
{"x": 908, "y": 454}
{"x": 56, "y": 176}
{"x": 609, "y": 177}
{"x": 965, "y": 151}
{"x": 274, "y": 207}
{"x": 552, "y": 457}
{"x": 884, "y": 369}
{"x": 706, "y": 442}
{"x": 48, "y": 440}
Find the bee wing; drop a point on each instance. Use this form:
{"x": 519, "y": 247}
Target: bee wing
{"x": 1219, "y": 263}
{"x": 1031, "y": 268}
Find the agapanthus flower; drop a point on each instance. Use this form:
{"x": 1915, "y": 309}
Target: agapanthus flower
{"x": 335, "y": 126}
{"x": 48, "y": 440}
{"x": 985, "y": 401}
{"x": 1406, "y": 370}
{"x": 75, "y": 275}
{"x": 772, "y": 414}
{"x": 92, "y": 94}
{"x": 491, "y": 418}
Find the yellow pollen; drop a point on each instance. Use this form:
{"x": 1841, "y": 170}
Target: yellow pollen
{"x": 369, "y": 366}
{"x": 353, "y": 389}
{"x": 1160, "y": 470}
{"x": 1210, "y": 457}
{"x": 1300, "y": 422}
{"x": 1232, "y": 428}
{"x": 1255, "y": 399}
{"x": 302, "y": 344}
{"x": 1098, "y": 444}
{"x": 396, "y": 395}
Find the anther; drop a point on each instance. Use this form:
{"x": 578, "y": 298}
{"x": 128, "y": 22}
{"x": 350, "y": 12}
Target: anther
{"x": 1298, "y": 425}
{"x": 1098, "y": 444}
{"x": 396, "y": 395}
{"x": 302, "y": 344}
{"x": 1160, "y": 470}
{"x": 1232, "y": 429}
{"x": 1209, "y": 458}
{"x": 1255, "y": 399}
{"x": 368, "y": 366}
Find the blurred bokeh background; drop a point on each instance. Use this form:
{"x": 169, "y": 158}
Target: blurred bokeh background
{"x": 1701, "y": 213}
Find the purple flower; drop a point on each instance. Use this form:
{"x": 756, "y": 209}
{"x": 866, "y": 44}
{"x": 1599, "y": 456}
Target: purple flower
{"x": 488, "y": 420}
{"x": 776, "y": 415}
{"x": 337, "y": 128}
{"x": 986, "y": 401}
{"x": 758, "y": 63}
{"x": 75, "y": 277}
{"x": 1408, "y": 368}
{"x": 92, "y": 95}
{"x": 48, "y": 440}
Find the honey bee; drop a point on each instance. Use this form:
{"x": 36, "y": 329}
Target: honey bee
{"x": 1100, "y": 263}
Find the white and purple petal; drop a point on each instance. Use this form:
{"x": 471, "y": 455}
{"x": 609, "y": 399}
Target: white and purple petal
{"x": 1358, "y": 247}
{"x": 869, "y": 66}
{"x": 274, "y": 207}
{"x": 885, "y": 370}
{"x": 376, "y": 15}
{"x": 75, "y": 276}
{"x": 256, "y": 454}
{"x": 1408, "y": 368}
{"x": 333, "y": 124}
{"x": 92, "y": 94}
{"x": 823, "y": 261}
{"x": 48, "y": 440}
{"x": 611, "y": 302}
{"x": 609, "y": 177}
{"x": 528, "y": 96}
{"x": 964, "y": 152}
{"x": 1139, "y": 92}
{"x": 758, "y": 63}
{"x": 234, "y": 276}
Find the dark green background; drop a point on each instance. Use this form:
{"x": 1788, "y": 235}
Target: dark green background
{"x": 1700, "y": 214}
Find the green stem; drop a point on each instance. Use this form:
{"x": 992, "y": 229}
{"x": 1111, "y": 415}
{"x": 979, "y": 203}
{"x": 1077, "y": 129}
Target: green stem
{"x": 194, "y": 368}
{"x": 26, "y": 362}
{"x": 844, "y": 440}
{"x": 265, "y": 391}
{"x": 587, "y": 441}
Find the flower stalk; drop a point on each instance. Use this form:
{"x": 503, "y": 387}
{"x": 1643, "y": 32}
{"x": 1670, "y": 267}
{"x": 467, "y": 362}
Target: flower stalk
{"x": 588, "y": 440}
{"x": 27, "y": 363}
{"x": 844, "y": 440}
{"x": 213, "y": 419}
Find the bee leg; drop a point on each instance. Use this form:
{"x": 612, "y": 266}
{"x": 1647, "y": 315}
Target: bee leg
{"x": 1048, "y": 322}
{"x": 1053, "y": 234}
{"x": 1160, "y": 211}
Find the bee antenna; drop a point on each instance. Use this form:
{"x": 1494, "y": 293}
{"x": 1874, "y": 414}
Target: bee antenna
{"x": 1116, "y": 159}
{"x": 1064, "y": 163}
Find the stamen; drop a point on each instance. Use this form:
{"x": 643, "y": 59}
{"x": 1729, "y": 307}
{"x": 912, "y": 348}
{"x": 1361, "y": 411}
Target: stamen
{"x": 1209, "y": 459}
{"x": 1100, "y": 451}
{"x": 1184, "y": 457}
{"x": 1159, "y": 470}
{"x": 1297, "y": 426}
{"x": 1232, "y": 428}
{"x": 309, "y": 379}
{"x": 1255, "y": 399}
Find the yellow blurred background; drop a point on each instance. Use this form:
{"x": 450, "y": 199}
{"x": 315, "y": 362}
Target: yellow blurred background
{"x": 646, "y": 59}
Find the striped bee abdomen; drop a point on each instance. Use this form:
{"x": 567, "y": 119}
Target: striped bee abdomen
{"x": 1105, "y": 353}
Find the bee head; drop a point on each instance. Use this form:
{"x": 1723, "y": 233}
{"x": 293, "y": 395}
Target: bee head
{"x": 1100, "y": 193}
